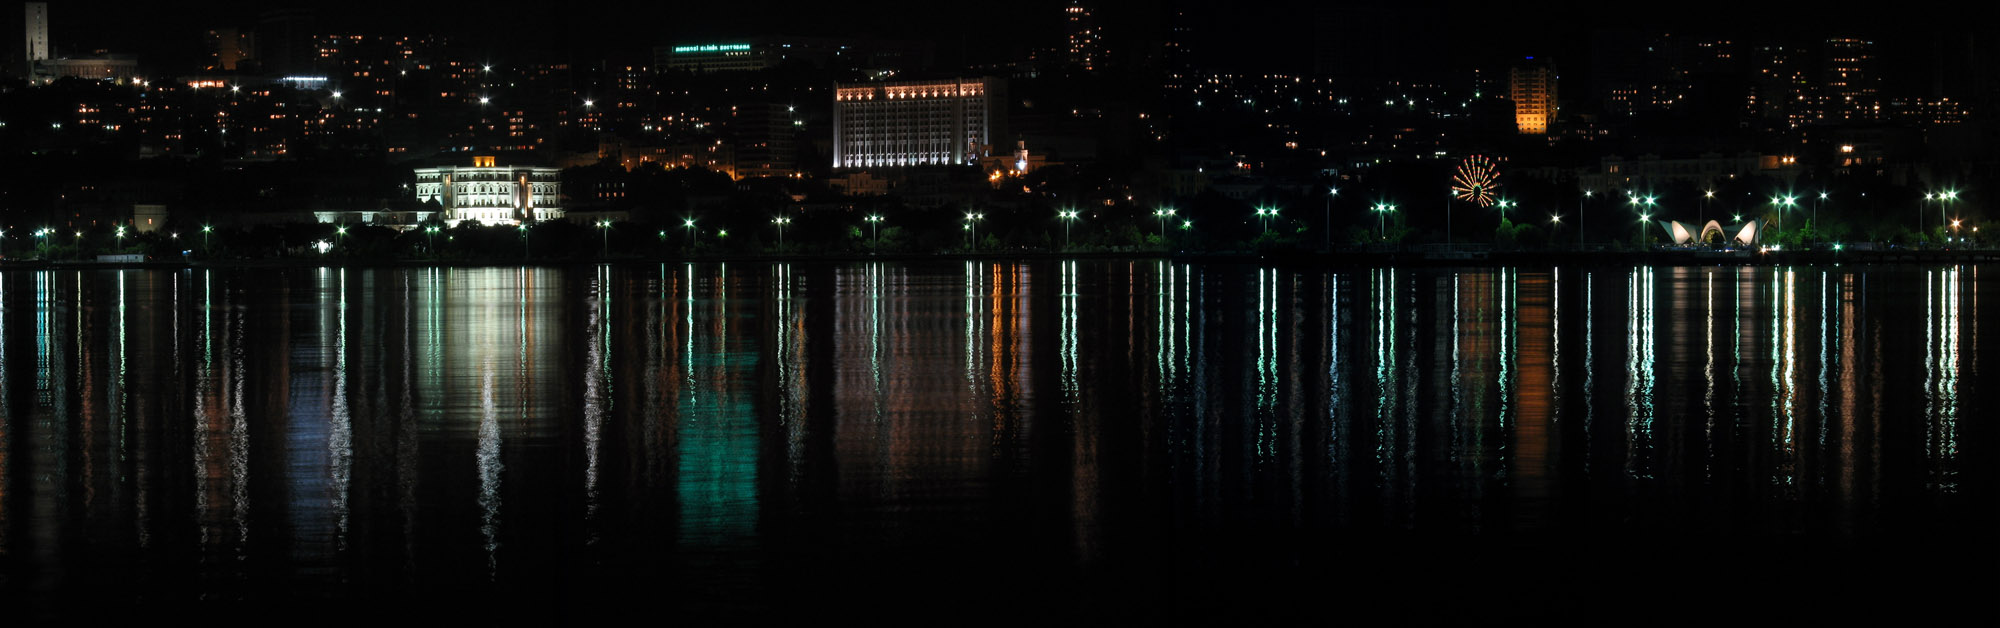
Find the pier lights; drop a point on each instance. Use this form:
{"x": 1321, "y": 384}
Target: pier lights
{"x": 430, "y": 237}
{"x": 1327, "y": 227}
{"x": 874, "y": 236}
{"x": 1163, "y": 214}
{"x": 972, "y": 228}
{"x": 1587, "y": 195}
{"x": 604, "y": 227}
{"x": 1922, "y": 209}
{"x": 1783, "y": 203}
{"x": 1381, "y": 219}
{"x": 1264, "y": 215}
{"x": 781, "y": 221}
{"x": 1647, "y": 202}
{"x": 1944, "y": 203}
{"x": 1069, "y": 217}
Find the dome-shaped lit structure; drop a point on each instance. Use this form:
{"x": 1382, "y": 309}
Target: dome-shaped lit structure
{"x": 1747, "y": 234}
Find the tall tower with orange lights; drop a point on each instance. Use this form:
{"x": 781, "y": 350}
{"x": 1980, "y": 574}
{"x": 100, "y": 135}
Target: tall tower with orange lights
{"x": 1533, "y": 89}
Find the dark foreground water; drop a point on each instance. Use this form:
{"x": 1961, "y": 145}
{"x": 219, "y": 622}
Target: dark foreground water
{"x": 961, "y": 443}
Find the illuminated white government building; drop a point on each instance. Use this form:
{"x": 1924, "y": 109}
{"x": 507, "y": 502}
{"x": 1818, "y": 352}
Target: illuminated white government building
{"x": 896, "y": 124}
{"x": 493, "y": 195}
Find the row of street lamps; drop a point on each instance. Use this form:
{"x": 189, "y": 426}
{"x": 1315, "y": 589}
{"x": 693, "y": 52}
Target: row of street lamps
{"x": 1643, "y": 205}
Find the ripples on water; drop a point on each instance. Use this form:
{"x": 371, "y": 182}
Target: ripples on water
{"x": 1127, "y": 440}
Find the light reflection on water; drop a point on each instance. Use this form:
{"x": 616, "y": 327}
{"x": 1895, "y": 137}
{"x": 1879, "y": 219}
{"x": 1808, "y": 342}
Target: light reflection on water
{"x": 346, "y": 430}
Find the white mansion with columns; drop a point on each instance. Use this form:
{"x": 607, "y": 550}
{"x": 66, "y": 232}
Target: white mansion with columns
{"x": 492, "y": 195}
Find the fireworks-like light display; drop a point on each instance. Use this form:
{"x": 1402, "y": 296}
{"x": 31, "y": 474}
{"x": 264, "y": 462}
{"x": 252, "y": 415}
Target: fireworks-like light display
{"x": 1476, "y": 180}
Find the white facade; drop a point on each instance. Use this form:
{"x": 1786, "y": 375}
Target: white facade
{"x": 916, "y": 123}
{"x": 493, "y": 195}
{"x": 1747, "y": 234}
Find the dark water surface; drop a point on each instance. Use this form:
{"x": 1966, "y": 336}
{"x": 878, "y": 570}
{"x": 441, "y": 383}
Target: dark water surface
{"x": 965, "y": 442}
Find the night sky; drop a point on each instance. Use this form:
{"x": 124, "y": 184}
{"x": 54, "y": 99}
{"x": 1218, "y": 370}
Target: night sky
{"x": 1239, "y": 36}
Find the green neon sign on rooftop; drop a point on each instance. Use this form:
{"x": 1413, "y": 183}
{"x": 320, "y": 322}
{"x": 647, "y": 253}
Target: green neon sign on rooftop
{"x": 710, "y": 48}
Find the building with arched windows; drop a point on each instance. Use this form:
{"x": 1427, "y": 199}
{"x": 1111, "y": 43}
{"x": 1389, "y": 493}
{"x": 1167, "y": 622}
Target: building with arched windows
{"x": 902, "y": 124}
{"x": 491, "y": 194}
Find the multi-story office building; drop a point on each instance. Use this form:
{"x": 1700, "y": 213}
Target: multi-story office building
{"x": 1851, "y": 84}
{"x": 895, "y": 124}
{"x": 1534, "y": 93}
{"x": 491, "y": 194}
{"x": 766, "y": 139}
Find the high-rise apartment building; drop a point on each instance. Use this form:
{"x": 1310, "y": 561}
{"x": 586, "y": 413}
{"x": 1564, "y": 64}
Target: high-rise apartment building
{"x": 227, "y": 48}
{"x": 895, "y": 124}
{"x": 1086, "y": 44}
{"x": 1780, "y": 89}
{"x": 37, "y": 35}
{"x": 1852, "y": 86}
{"x": 1533, "y": 89}
{"x": 766, "y": 139}
{"x": 285, "y": 42}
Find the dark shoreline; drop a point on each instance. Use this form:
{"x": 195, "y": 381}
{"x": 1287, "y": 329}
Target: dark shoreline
{"x": 1294, "y": 259}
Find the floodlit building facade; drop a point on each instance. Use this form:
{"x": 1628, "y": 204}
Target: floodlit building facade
{"x": 491, "y": 194}
{"x": 894, "y": 124}
{"x": 1533, "y": 90}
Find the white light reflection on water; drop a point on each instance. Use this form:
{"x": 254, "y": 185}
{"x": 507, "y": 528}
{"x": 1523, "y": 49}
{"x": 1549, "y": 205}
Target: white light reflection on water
{"x": 1084, "y": 504}
{"x": 1941, "y": 359}
{"x": 340, "y": 437}
{"x": 1338, "y": 416}
{"x": 1266, "y": 373}
{"x": 794, "y": 388}
{"x": 1708, "y": 375}
{"x": 596, "y": 391}
{"x": 1589, "y": 366}
{"x": 1791, "y": 376}
{"x": 1454, "y": 456}
{"x": 1639, "y": 381}
{"x": 6, "y": 424}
